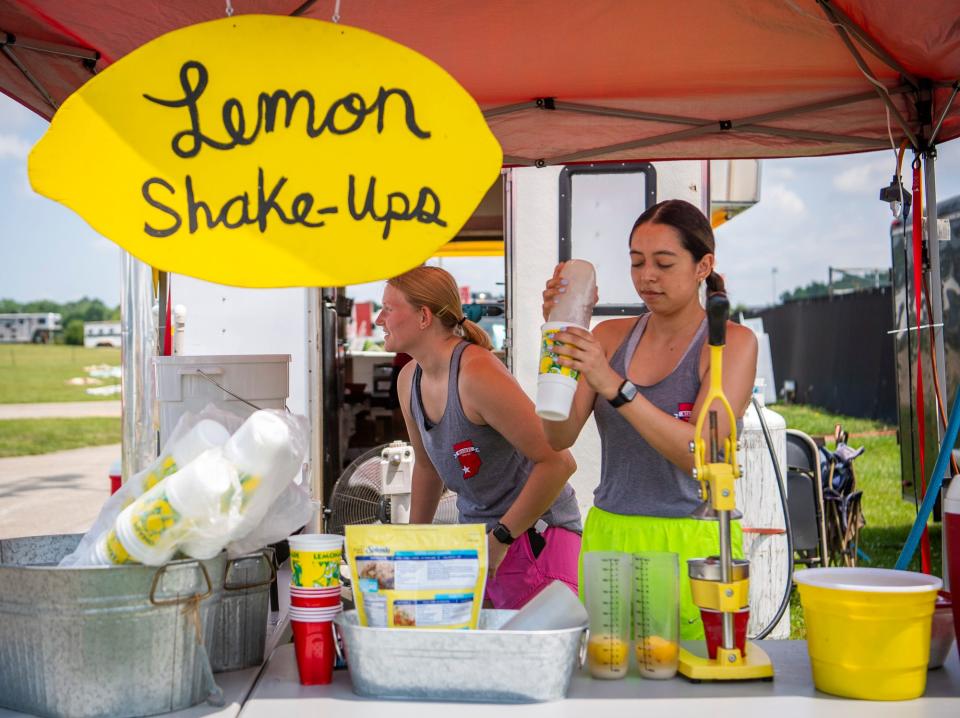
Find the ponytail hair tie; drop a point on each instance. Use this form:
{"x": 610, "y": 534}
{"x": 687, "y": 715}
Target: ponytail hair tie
{"x": 460, "y": 321}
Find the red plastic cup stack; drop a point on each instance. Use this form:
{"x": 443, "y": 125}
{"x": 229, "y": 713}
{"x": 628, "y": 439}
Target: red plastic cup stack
{"x": 314, "y": 643}
{"x": 314, "y": 603}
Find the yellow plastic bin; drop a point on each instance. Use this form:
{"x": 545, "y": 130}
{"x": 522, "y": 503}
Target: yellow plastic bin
{"x": 868, "y": 630}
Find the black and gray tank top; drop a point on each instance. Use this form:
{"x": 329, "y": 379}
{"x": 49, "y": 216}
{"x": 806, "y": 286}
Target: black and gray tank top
{"x": 635, "y": 479}
{"x": 481, "y": 467}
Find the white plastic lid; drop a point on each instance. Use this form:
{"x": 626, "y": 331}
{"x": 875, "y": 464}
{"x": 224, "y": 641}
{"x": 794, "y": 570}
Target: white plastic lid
{"x": 315, "y": 542}
{"x": 871, "y": 580}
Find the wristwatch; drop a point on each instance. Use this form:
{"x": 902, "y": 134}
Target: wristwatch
{"x": 626, "y": 392}
{"x": 502, "y": 534}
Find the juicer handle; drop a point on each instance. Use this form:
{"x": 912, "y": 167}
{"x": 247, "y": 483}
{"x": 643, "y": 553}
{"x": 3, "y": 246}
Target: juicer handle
{"x": 718, "y": 308}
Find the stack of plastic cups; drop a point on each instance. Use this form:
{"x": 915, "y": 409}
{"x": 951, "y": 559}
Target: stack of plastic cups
{"x": 150, "y": 529}
{"x": 314, "y": 603}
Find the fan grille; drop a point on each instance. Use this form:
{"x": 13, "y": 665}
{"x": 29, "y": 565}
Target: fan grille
{"x": 357, "y": 496}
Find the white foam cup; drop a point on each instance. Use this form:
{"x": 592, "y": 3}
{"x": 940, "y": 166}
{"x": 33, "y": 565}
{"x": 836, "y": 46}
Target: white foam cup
{"x": 555, "y": 385}
{"x": 207, "y": 434}
{"x": 556, "y": 607}
{"x": 555, "y": 396}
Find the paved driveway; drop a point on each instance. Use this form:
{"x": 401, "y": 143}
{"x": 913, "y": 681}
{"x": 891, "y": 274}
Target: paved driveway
{"x": 60, "y": 410}
{"x": 54, "y": 493}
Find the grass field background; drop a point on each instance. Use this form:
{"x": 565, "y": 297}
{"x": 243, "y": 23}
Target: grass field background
{"x": 889, "y": 518}
{"x": 23, "y": 437}
{"x": 31, "y": 373}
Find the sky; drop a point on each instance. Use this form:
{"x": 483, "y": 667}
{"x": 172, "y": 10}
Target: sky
{"x": 813, "y": 213}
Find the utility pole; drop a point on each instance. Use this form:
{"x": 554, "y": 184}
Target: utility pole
{"x": 773, "y": 281}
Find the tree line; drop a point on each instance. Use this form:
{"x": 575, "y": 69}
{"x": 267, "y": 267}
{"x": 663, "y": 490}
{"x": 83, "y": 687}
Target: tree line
{"x": 72, "y": 314}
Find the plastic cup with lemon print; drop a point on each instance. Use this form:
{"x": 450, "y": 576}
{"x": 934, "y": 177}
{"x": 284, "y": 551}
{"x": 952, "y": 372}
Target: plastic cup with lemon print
{"x": 315, "y": 560}
{"x": 608, "y": 578}
{"x": 150, "y": 529}
{"x": 556, "y": 384}
{"x": 656, "y": 613}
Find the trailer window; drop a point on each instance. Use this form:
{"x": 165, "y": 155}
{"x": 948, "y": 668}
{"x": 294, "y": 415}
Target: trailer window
{"x": 598, "y": 205}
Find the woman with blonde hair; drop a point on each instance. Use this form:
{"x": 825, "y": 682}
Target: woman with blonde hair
{"x": 475, "y": 432}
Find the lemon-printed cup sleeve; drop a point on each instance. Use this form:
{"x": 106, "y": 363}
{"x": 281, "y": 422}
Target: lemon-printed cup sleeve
{"x": 315, "y": 569}
{"x": 549, "y": 356}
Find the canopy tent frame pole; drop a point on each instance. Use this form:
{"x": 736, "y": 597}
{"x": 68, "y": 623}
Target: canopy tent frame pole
{"x": 138, "y": 337}
{"x": 507, "y": 109}
{"x": 51, "y": 48}
{"x": 25, "y": 71}
{"x": 865, "y": 69}
{"x": 315, "y": 400}
{"x": 700, "y": 127}
{"x": 839, "y": 17}
{"x": 683, "y": 120}
{"x": 729, "y": 126}
{"x": 936, "y": 306}
{"x": 943, "y": 115}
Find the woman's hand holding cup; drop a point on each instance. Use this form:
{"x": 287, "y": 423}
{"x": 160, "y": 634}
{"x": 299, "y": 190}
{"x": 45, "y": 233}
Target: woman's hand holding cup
{"x": 581, "y": 351}
{"x": 555, "y": 287}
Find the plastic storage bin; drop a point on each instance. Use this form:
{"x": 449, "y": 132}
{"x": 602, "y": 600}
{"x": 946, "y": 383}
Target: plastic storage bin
{"x": 186, "y": 383}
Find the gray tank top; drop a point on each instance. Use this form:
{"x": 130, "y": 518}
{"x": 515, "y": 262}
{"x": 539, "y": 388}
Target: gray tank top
{"x": 481, "y": 467}
{"x": 635, "y": 479}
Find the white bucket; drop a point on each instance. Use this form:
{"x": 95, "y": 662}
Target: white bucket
{"x": 185, "y": 383}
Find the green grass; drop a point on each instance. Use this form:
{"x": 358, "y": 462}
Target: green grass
{"x": 888, "y": 517}
{"x": 22, "y": 437}
{"x": 39, "y": 372}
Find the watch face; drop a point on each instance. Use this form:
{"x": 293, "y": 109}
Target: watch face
{"x": 628, "y": 391}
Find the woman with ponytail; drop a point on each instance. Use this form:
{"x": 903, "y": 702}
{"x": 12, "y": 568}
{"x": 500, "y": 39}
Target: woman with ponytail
{"x": 475, "y": 432}
{"x": 645, "y": 381}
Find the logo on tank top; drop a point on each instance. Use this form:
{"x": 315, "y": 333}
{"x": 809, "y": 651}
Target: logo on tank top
{"x": 469, "y": 457}
{"x": 684, "y": 411}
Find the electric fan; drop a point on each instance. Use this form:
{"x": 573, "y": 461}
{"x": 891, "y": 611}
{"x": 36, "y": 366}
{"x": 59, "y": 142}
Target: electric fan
{"x": 375, "y": 488}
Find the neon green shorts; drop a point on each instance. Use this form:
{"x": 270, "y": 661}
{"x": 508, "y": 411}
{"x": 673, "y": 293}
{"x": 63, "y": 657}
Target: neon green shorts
{"x": 689, "y": 538}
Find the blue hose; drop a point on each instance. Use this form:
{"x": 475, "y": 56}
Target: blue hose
{"x": 933, "y": 490}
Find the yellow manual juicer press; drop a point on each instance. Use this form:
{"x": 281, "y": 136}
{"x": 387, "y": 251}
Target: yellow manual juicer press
{"x": 719, "y": 583}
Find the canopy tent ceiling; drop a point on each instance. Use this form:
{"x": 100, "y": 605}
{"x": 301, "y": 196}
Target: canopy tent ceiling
{"x": 566, "y": 81}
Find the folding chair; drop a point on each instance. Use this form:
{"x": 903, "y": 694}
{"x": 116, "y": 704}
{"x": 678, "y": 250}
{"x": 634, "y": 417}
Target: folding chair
{"x": 805, "y": 500}
{"x": 842, "y": 502}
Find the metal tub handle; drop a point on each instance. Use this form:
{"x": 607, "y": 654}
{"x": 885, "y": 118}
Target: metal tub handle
{"x": 174, "y": 601}
{"x": 582, "y": 653}
{"x": 264, "y": 556}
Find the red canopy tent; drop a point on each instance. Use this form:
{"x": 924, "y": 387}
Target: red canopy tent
{"x": 563, "y": 80}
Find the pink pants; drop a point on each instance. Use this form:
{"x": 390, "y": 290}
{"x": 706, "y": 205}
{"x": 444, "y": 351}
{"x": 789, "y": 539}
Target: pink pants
{"x": 520, "y": 576}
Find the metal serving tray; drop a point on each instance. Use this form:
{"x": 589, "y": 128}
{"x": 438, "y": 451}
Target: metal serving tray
{"x": 485, "y": 665}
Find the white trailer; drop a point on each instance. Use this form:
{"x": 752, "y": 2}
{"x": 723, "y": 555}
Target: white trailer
{"x": 548, "y": 214}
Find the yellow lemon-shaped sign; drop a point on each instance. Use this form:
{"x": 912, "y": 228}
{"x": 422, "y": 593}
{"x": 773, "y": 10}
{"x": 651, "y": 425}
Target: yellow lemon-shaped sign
{"x": 266, "y": 151}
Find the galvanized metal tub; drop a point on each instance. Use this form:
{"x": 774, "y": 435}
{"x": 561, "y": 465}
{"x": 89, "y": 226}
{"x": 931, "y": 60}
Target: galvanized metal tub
{"x": 240, "y": 626}
{"x": 485, "y": 665}
{"x": 98, "y": 642}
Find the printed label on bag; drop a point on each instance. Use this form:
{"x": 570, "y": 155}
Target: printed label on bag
{"x": 423, "y": 576}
